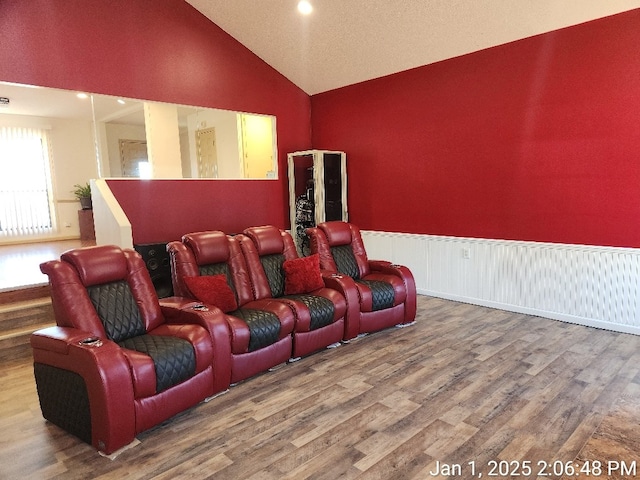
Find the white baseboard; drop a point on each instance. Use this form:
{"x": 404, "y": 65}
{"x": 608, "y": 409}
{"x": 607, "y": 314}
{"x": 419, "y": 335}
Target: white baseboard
{"x": 587, "y": 322}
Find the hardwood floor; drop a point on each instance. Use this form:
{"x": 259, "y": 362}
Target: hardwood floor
{"x": 465, "y": 384}
{"x": 20, "y": 263}
{"x": 25, "y": 303}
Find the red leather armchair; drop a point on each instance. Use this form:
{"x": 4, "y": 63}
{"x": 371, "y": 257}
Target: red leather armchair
{"x": 259, "y": 329}
{"x": 386, "y": 293}
{"x": 319, "y": 311}
{"x": 116, "y": 364}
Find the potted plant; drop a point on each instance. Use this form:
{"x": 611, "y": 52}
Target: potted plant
{"x": 83, "y": 193}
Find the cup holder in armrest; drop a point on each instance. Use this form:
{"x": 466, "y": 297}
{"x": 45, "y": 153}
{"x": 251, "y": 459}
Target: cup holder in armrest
{"x": 91, "y": 342}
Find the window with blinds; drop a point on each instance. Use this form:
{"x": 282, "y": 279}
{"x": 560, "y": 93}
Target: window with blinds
{"x": 25, "y": 180}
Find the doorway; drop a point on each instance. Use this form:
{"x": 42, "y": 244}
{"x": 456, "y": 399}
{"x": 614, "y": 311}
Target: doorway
{"x": 134, "y": 159}
{"x": 206, "y": 153}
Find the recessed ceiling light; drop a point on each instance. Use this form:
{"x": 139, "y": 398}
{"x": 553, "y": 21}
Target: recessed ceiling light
{"x": 82, "y": 95}
{"x": 304, "y": 7}
{"x": 121, "y": 101}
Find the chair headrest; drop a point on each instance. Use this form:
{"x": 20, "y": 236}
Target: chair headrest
{"x": 338, "y": 233}
{"x": 98, "y": 265}
{"x": 208, "y": 247}
{"x": 267, "y": 239}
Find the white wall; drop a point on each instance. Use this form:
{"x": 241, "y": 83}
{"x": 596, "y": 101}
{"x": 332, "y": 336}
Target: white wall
{"x": 163, "y": 140}
{"x": 111, "y": 223}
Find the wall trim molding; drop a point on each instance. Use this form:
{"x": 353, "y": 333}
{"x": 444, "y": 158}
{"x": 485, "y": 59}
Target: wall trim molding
{"x": 594, "y": 286}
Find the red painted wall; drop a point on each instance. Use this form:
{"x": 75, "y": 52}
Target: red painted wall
{"x": 158, "y": 213}
{"x": 536, "y": 140}
{"x": 165, "y": 51}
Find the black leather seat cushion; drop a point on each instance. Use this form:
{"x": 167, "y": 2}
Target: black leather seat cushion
{"x": 174, "y": 358}
{"x": 382, "y": 294}
{"x": 320, "y": 308}
{"x": 264, "y": 327}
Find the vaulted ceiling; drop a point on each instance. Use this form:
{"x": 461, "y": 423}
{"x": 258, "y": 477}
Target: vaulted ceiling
{"x": 349, "y": 41}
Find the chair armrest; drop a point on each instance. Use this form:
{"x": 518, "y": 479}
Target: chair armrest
{"x": 347, "y": 287}
{"x": 106, "y": 375}
{"x": 382, "y": 266}
{"x": 378, "y": 265}
{"x": 409, "y": 283}
{"x": 181, "y": 310}
{"x": 172, "y": 307}
{"x": 58, "y": 339}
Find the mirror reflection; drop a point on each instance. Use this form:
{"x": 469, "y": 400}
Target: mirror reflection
{"x": 142, "y": 139}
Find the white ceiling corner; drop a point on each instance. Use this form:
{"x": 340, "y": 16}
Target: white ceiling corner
{"x": 344, "y": 42}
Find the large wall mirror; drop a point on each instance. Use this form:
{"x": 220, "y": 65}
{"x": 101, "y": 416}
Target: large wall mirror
{"x": 135, "y": 138}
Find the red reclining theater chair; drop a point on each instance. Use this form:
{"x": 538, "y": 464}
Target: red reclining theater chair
{"x": 210, "y": 267}
{"x": 114, "y": 366}
{"x": 277, "y": 272}
{"x": 386, "y": 292}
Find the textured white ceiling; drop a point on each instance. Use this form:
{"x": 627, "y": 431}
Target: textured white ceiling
{"x": 349, "y": 41}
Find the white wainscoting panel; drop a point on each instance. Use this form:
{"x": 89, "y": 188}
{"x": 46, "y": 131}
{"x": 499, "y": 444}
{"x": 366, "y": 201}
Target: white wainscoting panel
{"x": 588, "y": 285}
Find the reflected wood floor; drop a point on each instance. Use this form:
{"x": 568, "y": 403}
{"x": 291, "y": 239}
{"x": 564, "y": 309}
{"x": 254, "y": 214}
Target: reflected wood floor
{"x": 464, "y": 384}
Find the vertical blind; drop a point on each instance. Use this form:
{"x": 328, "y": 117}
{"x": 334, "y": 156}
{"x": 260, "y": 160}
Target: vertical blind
{"x": 25, "y": 179}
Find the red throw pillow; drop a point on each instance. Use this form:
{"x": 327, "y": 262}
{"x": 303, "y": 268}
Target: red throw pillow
{"x": 302, "y": 275}
{"x": 213, "y": 290}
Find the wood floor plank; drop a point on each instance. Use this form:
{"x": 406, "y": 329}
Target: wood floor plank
{"x": 465, "y": 384}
